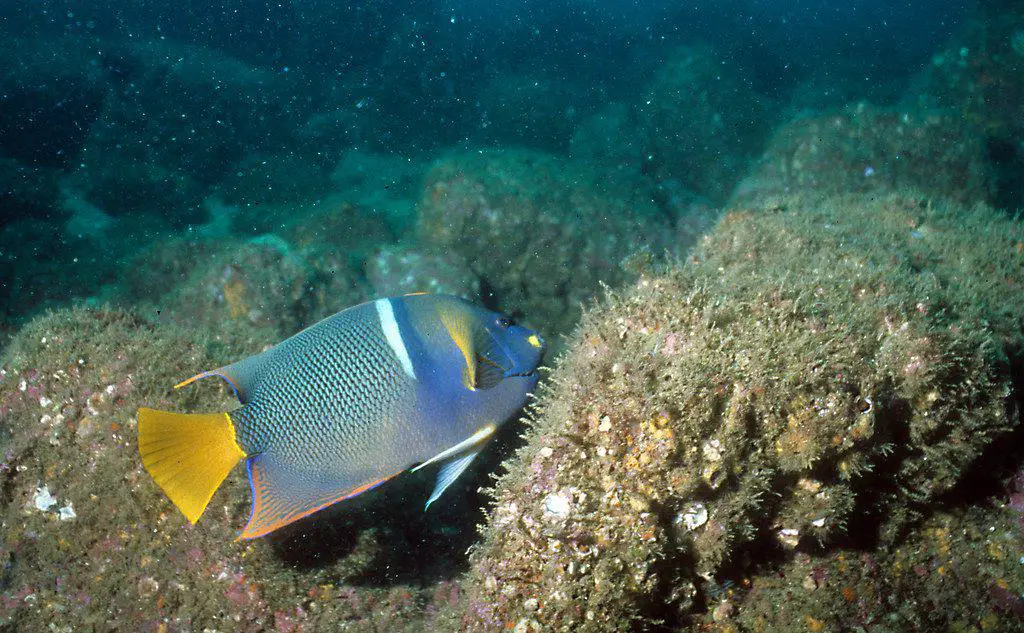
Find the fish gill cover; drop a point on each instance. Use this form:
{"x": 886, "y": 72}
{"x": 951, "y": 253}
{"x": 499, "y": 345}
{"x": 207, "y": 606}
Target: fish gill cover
{"x": 774, "y": 247}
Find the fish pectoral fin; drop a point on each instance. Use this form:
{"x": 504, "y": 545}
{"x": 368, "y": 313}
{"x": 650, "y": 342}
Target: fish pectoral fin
{"x": 470, "y": 443}
{"x": 448, "y": 474}
{"x": 488, "y": 372}
{"x": 283, "y": 494}
{"x": 460, "y": 329}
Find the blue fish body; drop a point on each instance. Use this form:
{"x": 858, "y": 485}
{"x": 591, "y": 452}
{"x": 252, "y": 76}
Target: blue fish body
{"x": 350, "y": 402}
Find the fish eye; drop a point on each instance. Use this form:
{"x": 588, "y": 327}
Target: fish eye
{"x": 505, "y": 322}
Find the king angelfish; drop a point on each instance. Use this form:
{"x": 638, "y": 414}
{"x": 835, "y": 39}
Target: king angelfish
{"x": 347, "y": 404}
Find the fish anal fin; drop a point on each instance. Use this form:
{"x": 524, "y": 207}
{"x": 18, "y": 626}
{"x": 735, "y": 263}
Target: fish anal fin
{"x": 282, "y": 495}
{"x": 449, "y": 473}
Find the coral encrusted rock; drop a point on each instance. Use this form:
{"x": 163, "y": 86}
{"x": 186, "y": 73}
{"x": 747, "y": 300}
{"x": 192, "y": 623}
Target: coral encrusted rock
{"x": 818, "y": 370}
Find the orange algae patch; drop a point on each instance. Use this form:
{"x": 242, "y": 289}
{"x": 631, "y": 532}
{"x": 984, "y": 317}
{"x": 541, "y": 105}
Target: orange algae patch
{"x": 234, "y": 295}
{"x": 814, "y": 625}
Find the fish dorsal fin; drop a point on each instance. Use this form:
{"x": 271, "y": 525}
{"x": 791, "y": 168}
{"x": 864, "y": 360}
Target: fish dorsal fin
{"x": 242, "y": 376}
{"x": 283, "y": 495}
{"x": 449, "y": 473}
{"x": 460, "y": 328}
{"x": 473, "y": 442}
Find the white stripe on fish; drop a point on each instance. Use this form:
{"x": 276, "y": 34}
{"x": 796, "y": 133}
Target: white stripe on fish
{"x": 393, "y": 335}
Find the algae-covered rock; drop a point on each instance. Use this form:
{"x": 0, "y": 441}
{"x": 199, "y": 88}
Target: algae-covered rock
{"x": 959, "y": 571}
{"x": 308, "y": 268}
{"x": 220, "y": 284}
{"x": 870, "y": 149}
{"x": 818, "y": 369}
{"x": 976, "y": 75}
{"x": 90, "y": 543}
{"x": 611, "y": 136}
{"x": 402, "y": 270}
{"x": 540, "y": 232}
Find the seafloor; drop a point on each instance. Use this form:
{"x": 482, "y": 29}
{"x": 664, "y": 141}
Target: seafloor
{"x": 789, "y": 345}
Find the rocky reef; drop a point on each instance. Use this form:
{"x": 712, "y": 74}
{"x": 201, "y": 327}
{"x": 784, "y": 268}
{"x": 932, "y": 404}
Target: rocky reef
{"x": 821, "y": 372}
{"x": 865, "y": 148}
{"x": 806, "y": 421}
{"x": 540, "y": 232}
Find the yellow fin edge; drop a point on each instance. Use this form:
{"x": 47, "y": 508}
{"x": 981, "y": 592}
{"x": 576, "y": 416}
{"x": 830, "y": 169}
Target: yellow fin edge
{"x": 460, "y": 330}
{"x": 188, "y": 455}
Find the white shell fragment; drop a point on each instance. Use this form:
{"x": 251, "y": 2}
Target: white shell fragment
{"x": 557, "y": 505}
{"x": 67, "y": 513}
{"x": 695, "y": 515}
{"x": 789, "y": 536}
{"x": 712, "y": 450}
{"x": 43, "y": 500}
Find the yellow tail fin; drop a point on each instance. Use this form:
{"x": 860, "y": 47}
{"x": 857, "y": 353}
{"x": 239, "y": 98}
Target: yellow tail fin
{"x": 188, "y": 455}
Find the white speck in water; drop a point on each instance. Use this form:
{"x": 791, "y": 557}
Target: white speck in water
{"x": 67, "y": 513}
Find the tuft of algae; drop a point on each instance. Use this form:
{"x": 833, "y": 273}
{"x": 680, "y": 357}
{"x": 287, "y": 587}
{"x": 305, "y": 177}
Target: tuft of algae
{"x": 822, "y": 371}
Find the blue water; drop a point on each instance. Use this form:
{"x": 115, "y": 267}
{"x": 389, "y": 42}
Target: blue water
{"x": 119, "y": 124}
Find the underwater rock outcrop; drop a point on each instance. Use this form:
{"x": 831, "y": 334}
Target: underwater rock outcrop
{"x": 821, "y": 371}
{"x": 401, "y": 270}
{"x": 540, "y": 232}
{"x": 307, "y": 266}
{"x": 223, "y": 285}
{"x": 957, "y": 571}
{"x": 976, "y": 76}
{"x": 869, "y": 149}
